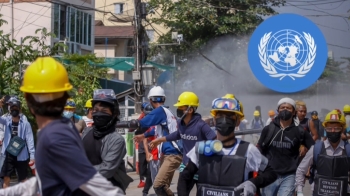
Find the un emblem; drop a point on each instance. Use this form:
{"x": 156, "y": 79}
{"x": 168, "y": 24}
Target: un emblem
{"x": 287, "y": 53}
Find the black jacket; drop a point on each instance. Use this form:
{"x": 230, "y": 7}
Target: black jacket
{"x": 282, "y": 150}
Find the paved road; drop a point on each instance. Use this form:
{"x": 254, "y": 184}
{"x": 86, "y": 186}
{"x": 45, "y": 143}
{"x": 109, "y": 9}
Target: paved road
{"x": 134, "y": 191}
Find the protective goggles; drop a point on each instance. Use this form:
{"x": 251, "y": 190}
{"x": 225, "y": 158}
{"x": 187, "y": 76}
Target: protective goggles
{"x": 70, "y": 104}
{"x": 226, "y": 104}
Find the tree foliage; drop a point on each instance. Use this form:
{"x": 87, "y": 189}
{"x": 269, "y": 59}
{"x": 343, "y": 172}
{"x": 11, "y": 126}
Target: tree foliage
{"x": 333, "y": 71}
{"x": 201, "y": 20}
{"x": 15, "y": 57}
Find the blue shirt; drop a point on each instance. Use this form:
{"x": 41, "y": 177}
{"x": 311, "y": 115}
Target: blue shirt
{"x": 196, "y": 130}
{"x": 61, "y": 164}
{"x": 159, "y": 117}
{"x": 25, "y": 132}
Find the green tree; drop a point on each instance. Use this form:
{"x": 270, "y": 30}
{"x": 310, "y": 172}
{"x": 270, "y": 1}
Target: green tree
{"x": 333, "y": 71}
{"x": 202, "y": 20}
{"x": 15, "y": 57}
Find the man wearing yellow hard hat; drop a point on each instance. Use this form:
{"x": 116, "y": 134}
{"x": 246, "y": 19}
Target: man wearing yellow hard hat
{"x": 257, "y": 123}
{"x": 62, "y": 167}
{"x": 69, "y": 112}
{"x": 191, "y": 129}
{"x": 228, "y": 164}
{"x": 346, "y": 111}
{"x": 88, "y": 111}
{"x": 331, "y": 160}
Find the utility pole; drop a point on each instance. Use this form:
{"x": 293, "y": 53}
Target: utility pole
{"x": 136, "y": 74}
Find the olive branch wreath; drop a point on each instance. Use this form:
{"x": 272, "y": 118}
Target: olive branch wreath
{"x": 303, "y": 70}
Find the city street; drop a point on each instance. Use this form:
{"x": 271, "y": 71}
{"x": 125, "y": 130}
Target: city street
{"x": 134, "y": 191}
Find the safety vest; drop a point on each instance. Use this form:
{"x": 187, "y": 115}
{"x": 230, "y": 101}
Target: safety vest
{"x": 220, "y": 174}
{"x": 331, "y": 177}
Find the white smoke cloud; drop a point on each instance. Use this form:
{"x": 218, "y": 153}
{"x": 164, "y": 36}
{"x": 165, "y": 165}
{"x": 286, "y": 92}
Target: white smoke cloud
{"x": 230, "y": 53}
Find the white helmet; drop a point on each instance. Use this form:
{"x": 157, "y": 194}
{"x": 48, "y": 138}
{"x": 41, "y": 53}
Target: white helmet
{"x": 156, "y": 91}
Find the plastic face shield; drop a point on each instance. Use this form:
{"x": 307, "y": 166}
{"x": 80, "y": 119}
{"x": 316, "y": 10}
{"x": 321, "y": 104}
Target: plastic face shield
{"x": 104, "y": 93}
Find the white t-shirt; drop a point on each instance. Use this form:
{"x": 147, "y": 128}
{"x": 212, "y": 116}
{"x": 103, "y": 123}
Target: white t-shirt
{"x": 88, "y": 121}
{"x": 269, "y": 120}
{"x": 347, "y": 119}
{"x": 253, "y": 155}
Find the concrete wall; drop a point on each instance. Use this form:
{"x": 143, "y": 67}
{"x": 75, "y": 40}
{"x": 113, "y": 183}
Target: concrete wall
{"x": 28, "y": 17}
{"x": 108, "y": 6}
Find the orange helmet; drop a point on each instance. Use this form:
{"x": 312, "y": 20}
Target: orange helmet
{"x": 271, "y": 113}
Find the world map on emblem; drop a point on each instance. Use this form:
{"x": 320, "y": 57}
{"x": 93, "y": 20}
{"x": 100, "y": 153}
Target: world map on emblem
{"x": 287, "y": 56}
{"x": 287, "y": 50}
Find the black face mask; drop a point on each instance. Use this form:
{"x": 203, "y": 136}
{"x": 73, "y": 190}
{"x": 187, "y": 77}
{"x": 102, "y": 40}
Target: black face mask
{"x": 101, "y": 119}
{"x": 14, "y": 113}
{"x": 285, "y": 115}
{"x": 333, "y": 137}
{"x": 225, "y": 126}
{"x": 181, "y": 114}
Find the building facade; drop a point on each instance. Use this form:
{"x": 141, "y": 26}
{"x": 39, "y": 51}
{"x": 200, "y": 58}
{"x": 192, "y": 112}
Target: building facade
{"x": 72, "y": 21}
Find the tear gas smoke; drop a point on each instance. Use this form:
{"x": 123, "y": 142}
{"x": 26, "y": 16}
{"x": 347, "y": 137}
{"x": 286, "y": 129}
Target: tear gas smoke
{"x": 230, "y": 53}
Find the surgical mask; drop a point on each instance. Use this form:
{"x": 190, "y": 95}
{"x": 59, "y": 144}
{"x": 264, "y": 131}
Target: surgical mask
{"x": 285, "y": 115}
{"x": 101, "y": 119}
{"x": 225, "y": 126}
{"x": 333, "y": 137}
{"x": 68, "y": 114}
{"x": 14, "y": 113}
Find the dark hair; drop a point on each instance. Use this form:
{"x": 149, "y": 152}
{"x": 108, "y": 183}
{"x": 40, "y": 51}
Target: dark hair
{"x": 52, "y": 108}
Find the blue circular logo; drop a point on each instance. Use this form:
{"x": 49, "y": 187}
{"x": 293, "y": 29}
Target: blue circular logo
{"x": 287, "y": 53}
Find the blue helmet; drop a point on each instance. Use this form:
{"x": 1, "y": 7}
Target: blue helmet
{"x": 148, "y": 109}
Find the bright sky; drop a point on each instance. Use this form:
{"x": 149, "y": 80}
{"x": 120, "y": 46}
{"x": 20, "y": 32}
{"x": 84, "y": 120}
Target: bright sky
{"x": 331, "y": 16}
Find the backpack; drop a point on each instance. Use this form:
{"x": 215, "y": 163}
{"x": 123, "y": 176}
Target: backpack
{"x": 317, "y": 150}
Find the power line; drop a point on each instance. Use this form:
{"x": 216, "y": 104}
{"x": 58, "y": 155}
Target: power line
{"x": 346, "y": 20}
{"x": 335, "y": 45}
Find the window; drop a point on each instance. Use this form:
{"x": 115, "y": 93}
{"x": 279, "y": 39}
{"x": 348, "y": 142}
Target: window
{"x": 89, "y": 31}
{"x": 59, "y": 24}
{"x": 150, "y": 34}
{"x": 85, "y": 33}
{"x": 56, "y": 22}
{"x": 118, "y": 8}
{"x": 79, "y": 26}
{"x": 72, "y": 21}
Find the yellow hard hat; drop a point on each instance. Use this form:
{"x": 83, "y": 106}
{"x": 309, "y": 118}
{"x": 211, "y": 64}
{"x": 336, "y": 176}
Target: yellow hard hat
{"x": 334, "y": 116}
{"x": 187, "y": 99}
{"x": 346, "y": 108}
{"x": 88, "y": 103}
{"x": 45, "y": 75}
{"x": 256, "y": 113}
{"x": 227, "y": 103}
{"x": 70, "y": 104}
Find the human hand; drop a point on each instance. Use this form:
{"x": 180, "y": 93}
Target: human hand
{"x": 154, "y": 143}
{"x": 139, "y": 138}
{"x": 302, "y": 150}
